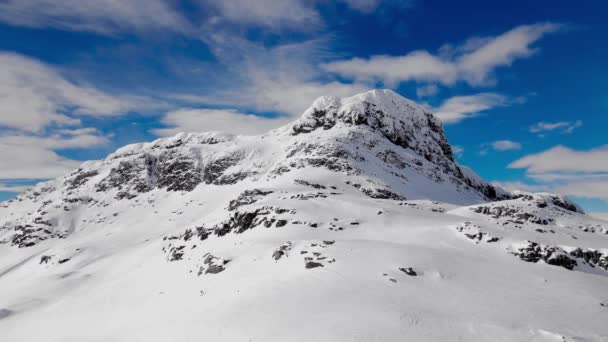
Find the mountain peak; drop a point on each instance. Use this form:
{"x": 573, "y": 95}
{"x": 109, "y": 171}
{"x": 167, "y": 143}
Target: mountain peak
{"x": 357, "y": 107}
{"x": 398, "y": 119}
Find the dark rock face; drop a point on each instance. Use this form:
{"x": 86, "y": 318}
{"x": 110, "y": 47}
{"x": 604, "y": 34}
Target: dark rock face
{"x": 241, "y": 221}
{"x": 305, "y": 183}
{"x": 130, "y": 177}
{"x": 171, "y": 170}
{"x": 334, "y": 157}
{"x": 382, "y": 194}
{"x": 474, "y": 232}
{"x": 488, "y": 190}
{"x": 80, "y": 179}
{"x": 515, "y": 214}
{"x": 247, "y": 197}
{"x": 201, "y": 233}
{"x": 177, "y": 172}
{"x": 45, "y": 259}
{"x": 213, "y": 172}
{"x": 539, "y": 209}
{"x": 556, "y": 200}
{"x": 409, "y": 271}
{"x": 176, "y": 253}
{"x": 396, "y": 130}
{"x": 312, "y": 264}
{"x": 592, "y": 257}
{"x": 384, "y": 115}
{"x": 562, "y": 203}
{"x": 392, "y": 158}
{"x": 308, "y": 196}
{"x": 282, "y": 250}
{"x": 5, "y": 313}
{"x": 212, "y": 265}
{"x": 28, "y": 235}
{"x": 557, "y": 256}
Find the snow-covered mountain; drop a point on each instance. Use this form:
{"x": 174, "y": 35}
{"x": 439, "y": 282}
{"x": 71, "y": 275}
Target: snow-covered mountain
{"x": 353, "y": 223}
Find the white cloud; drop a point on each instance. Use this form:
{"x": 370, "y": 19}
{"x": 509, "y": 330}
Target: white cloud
{"x": 506, "y": 145}
{"x": 577, "y": 188}
{"x": 225, "y": 120}
{"x": 580, "y": 187}
{"x": 568, "y": 172}
{"x": 99, "y": 16}
{"x": 110, "y": 17}
{"x": 33, "y": 157}
{"x": 293, "y": 96}
{"x": 283, "y": 79}
{"x": 78, "y": 131}
{"x": 276, "y": 14}
{"x": 547, "y": 177}
{"x": 457, "y": 150}
{"x": 458, "y": 108}
{"x": 33, "y": 96}
{"x": 33, "y": 162}
{"x": 290, "y": 96}
{"x": 417, "y": 65}
{"x": 365, "y": 6}
{"x": 427, "y": 90}
{"x": 521, "y": 186}
{"x": 370, "y": 6}
{"x": 563, "y": 159}
{"x": 6, "y": 187}
{"x": 55, "y": 141}
{"x": 473, "y": 62}
{"x": 585, "y": 189}
{"x": 562, "y": 126}
{"x": 477, "y": 66}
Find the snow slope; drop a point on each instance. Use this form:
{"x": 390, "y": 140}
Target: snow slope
{"x": 353, "y": 223}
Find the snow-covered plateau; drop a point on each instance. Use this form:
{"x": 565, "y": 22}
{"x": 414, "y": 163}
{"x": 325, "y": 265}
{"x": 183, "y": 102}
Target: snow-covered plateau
{"x": 353, "y": 223}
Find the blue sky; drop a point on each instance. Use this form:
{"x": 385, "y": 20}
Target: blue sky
{"x": 518, "y": 84}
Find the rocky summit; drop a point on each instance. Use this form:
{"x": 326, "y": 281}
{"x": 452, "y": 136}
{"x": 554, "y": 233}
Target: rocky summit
{"x": 353, "y": 223}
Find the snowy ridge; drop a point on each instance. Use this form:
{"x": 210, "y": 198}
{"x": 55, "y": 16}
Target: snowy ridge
{"x": 272, "y": 237}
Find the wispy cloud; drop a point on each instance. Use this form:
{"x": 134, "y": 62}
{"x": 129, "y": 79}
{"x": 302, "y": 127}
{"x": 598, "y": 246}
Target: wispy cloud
{"x": 521, "y": 186}
{"x": 13, "y": 187}
{"x": 40, "y": 113}
{"x": 225, "y": 120}
{"x": 35, "y": 157}
{"x": 391, "y": 70}
{"x": 566, "y": 127}
{"x": 582, "y": 188}
{"x": 106, "y": 17}
{"x": 564, "y": 159}
{"x": 581, "y": 173}
{"x": 275, "y": 14}
{"x": 111, "y": 17}
{"x": 368, "y": 6}
{"x": 283, "y": 79}
{"x": 427, "y": 90}
{"x": 585, "y": 189}
{"x": 458, "y": 108}
{"x": 33, "y": 95}
{"x": 506, "y": 145}
{"x": 473, "y": 62}
{"x": 457, "y": 150}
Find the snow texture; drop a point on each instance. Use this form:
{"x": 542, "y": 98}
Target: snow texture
{"x": 353, "y": 223}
